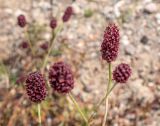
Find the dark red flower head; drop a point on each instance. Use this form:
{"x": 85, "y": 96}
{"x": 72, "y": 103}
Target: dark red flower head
{"x": 21, "y": 79}
{"x": 53, "y": 23}
{"x": 61, "y": 77}
{"x": 110, "y": 44}
{"x": 21, "y": 20}
{"x": 35, "y": 87}
{"x": 121, "y": 73}
{"x": 24, "y": 45}
{"x": 44, "y": 46}
{"x": 67, "y": 14}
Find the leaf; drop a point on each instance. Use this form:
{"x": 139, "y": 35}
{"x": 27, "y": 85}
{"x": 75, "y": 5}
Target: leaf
{"x": 3, "y": 68}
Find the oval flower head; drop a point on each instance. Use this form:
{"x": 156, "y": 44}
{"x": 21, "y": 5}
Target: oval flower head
{"x": 24, "y": 45}
{"x": 110, "y": 44}
{"x": 53, "y": 23}
{"x": 122, "y": 73}
{"x": 36, "y": 87}
{"x": 21, "y": 20}
{"x": 61, "y": 77}
{"x": 67, "y": 14}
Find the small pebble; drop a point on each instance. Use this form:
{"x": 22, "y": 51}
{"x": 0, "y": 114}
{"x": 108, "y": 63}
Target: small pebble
{"x": 144, "y": 40}
{"x": 150, "y": 8}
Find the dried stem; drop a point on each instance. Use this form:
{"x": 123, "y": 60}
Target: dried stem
{"x": 100, "y": 103}
{"x": 78, "y": 108}
{"x": 39, "y": 114}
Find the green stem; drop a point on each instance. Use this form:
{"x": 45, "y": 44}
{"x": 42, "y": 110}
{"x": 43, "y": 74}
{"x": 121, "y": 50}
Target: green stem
{"x": 108, "y": 88}
{"x": 39, "y": 114}
{"x": 78, "y": 108}
{"x": 29, "y": 41}
{"x": 4, "y": 68}
{"x": 110, "y": 77}
{"x": 54, "y": 34}
{"x": 100, "y": 103}
{"x": 106, "y": 95}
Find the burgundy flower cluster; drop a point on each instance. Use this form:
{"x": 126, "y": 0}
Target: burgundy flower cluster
{"x": 21, "y": 79}
{"x": 60, "y": 74}
{"x": 21, "y": 21}
{"x": 24, "y": 45}
{"x": 53, "y": 23}
{"x": 60, "y": 78}
{"x": 109, "y": 51}
{"x": 44, "y": 46}
{"x": 121, "y": 73}
{"x": 67, "y": 14}
{"x": 110, "y": 44}
{"x": 36, "y": 87}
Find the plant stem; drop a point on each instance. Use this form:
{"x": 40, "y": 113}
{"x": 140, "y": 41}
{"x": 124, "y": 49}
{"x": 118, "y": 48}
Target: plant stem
{"x": 54, "y": 34}
{"x": 106, "y": 112}
{"x": 78, "y": 108}
{"x": 106, "y": 95}
{"x": 100, "y": 103}
{"x": 29, "y": 41}
{"x": 39, "y": 114}
{"x": 5, "y": 71}
{"x": 108, "y": 88}
{"x": 3, "y": 68}
{"x": 110, "y": 77}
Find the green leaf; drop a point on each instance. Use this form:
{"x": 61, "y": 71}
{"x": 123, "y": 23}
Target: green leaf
{"x": 88, "y": 13}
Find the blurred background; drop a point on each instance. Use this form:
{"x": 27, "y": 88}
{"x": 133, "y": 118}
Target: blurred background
{"x": 135, "y": 104}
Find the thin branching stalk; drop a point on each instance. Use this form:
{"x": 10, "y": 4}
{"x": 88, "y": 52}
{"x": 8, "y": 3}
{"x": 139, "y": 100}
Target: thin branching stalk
{"x": 39, "y": 114}
{"x": 3, "y": 68}
{"x": 54, "y": 34}
{"x": 29, "y": 41}
{"x": 6, "y": 72}
{"x": 106, "y": 112}
{"x": 108, "y": 88}
{"x": 100, "y": 103}
{"x": 78, "y": 108}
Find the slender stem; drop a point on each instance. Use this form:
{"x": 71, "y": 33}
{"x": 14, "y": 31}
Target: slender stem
{"x": 100, "y": 103}
{"x": 4, "y": 68}
{"x": 110, "y": 77}
{"x": 51, "y": 3}
{"x": 108, "y": 88}
{"x": 29, "y": 41}
{"x": 6, "y": 72}
{"x": 54, "y": 34}
{"x": 39, "y": 114}
{"x": 78, "y": 108}
{"x": 106, "y": 112}
{"x": 106, "y": 95}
